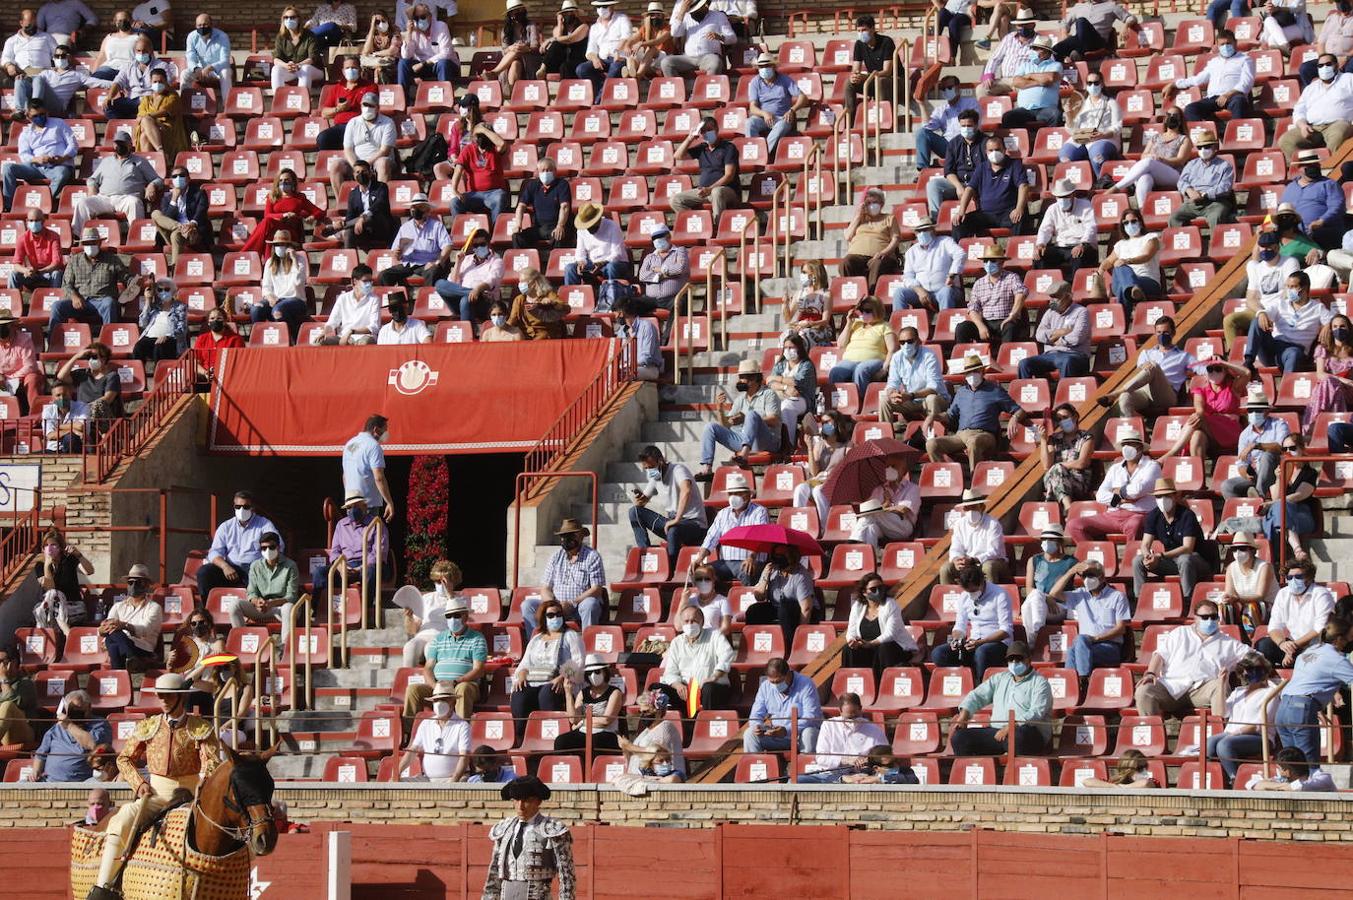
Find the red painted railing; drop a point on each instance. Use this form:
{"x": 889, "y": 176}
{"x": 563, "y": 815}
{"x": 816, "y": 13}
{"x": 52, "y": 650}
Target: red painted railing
{"x": 21, "y": 536}
{"x": 128, "y": 435}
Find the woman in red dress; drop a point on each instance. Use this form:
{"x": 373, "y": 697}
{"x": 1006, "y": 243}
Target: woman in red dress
{"x": 286, "y": 210}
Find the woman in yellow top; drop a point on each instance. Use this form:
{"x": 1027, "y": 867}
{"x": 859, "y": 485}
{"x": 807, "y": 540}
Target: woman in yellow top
{"x": 537, "y": 309}
{"x": 871, "y": 241}
{"x": 159, "y": 120}
{"x": 867, "y": 343}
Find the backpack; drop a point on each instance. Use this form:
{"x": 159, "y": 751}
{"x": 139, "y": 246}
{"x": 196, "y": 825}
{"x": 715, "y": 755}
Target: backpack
{"x": 426, "y": 154}
{"x": 611, "y": 291}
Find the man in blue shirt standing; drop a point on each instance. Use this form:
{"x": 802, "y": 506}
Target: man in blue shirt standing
{"x": 1318, "y": 200}
{"x": 773, "y": 104}
{"x": 1038, "y": 102}
{"x": 364, "y": 467}
{"x": 783, "y": 691}
{"x": 1000, "y": 187}
{"x": 64, "y": 752}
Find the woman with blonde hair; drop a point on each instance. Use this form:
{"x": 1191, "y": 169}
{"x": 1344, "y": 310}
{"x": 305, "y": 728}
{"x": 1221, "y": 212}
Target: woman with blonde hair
{"x": 536, "y": 308}
{"x": 1130, "y": 772}
{"x": 445, "y": 577}
{"x": 382, "y": 47}
{"x": 285, "y": 212}
{"x": 867, "y": 343}
{"x": 297, "y": 53}
{"x": 808, "y": 306}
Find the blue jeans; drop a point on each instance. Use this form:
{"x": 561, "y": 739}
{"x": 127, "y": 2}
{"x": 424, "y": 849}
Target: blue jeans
{"x": 1207, "y": 108}
{"x": 1085, "y": 655}
{"x": 38, "y": 280}
{"x": 97, "y": 312}
{"x": 1296, "y": 719}
{"x": 121, "y": 648}
{"x": 122, "y": 108}
{"x": 929, "y": 144}
{"x": 490, "y": 202}
{"x": 983, "y": 658}
{"x": 408, "y": 79}
{"x": 862, "y": 373}
{"x": 937, "y": 190}
{"x": 1097, "y": 153}
{"x": 291, "y": 309}
{"x": 459, "y": 295}
{"x": 58, "y": 176}
{"x": 758, "y": 743}
{"x": 618, "y": 270}
{"x": 755, "y": 434}
{"x": 1068, "y": 365}
{"x": 610, "y": 68}
{"x": 26, "y": 88}
{"x": 1300, "y": 521}
{"x": 586, "y": 613}
{"x": 1217, "y": 11}
{"x": 1232, "y": 749}
{"x": 685, "y": 534}
{"x": 757, "y": 127}
{"x": 1340, "y": 437}
{"x": 948, "y": 297}
{"x": 1124, "y": 280}
{"x": 1274, "y": 351}
{"x": 329, "y": 33}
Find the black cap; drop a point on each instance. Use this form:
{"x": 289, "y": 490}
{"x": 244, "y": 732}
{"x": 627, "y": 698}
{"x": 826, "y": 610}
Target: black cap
{"x": 1017, "y": 648}
{"x": 1268, "y": 239}
{"x": 524, "y": 788}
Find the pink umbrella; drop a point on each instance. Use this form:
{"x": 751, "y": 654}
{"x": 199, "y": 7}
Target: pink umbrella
{"x": 856, "y": 476}
{"x": 764, "y": 538}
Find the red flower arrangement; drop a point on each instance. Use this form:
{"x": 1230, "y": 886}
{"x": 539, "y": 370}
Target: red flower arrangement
{"x": 428, "y": 499}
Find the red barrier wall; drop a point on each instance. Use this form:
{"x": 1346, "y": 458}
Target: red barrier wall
{"x": 406, "y": 862}
{"x": 440, "y": 398}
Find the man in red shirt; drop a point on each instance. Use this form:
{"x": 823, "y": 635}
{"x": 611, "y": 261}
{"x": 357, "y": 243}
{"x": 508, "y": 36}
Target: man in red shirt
{"x": 342, "y": 101}
{"x": 478, "y": 180}
{"x": 19, "y": 364}
{"x": 37, "y": 258}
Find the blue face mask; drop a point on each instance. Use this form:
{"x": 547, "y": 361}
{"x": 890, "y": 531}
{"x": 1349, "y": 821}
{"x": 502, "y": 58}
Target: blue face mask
{"x": 766, "y": 72}
{"x": 653, "y": 474}
{"x": 1256, "y": 418}
{"x": 925, "y": 238}
{"x": 662, "y": 769}
{"x": 1297, "y": 585}
{"x": 1209, "y": 626}
{"x": 1227, "y": 50}
{"x": 711, "y": 137}
{"x": 457, "y": 625}
{"x": 949, "y": 93}
{"x": 991, "y": 266}
{"x": 554, "y": 623}
{"x": 783, "y": 687}
{"x": 968, "y": 131}
{"x": 1019, "y": 668}
{"x": 829, "y": 430}
{"x": 1268, "y": 255}
{"x": 1132, "y": 229}
{"x": 1069, "y": 425}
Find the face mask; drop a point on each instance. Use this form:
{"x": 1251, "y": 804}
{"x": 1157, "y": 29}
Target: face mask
{"x": 1227, "y": 50}
{"x": 481, "y": 252}
{"x": 369, "y": 113}
{"x": 710, "y": 137}
{"x": 216, "y": 326}
{"x": 352, "y": 74}
{"x": 1166, "y": 339}
{"x": 974, "y": 516}
{"x": 1093, "y": 584}
{"x": 1340, "y": 335}
{"x": 270, "y": 554}
{"x": 363, "y": 288}
{"x": 783, "y": 687}
{"x": 909, "y": 351}
{"x": 1132, "y": 229}
{"x": 1268, "y": 255}
{"x": 1094, "y": 90}
{"x": 1130, "y": 452}
{"x": 925, "y": 238}
{"x": 736, "y": 502}
{"x": 603, "y": 14}
{"x": 61, "y": 62}
{"x": 1254, "y": 676}
{"x": 1066, "y": 203}
{"x": 1296, "y": 585}
{"x": 874, "y": 209}
{"x": 597, "y": 678}
{"x": 456, "y": 625}
{"x": 791, "y": 354}
{"x": 949, "y": 93}
{"x": 865, "y": 37}
{"x": 1293, "y": 295}
{"x": 96, "y": 365}
{"x": 1206, "y": 152}
{"x": 991, "y": 267}
{"x": 164, "y": 296}
{"x": 692, "y": 630}
{"x": 291, "y": 23}
{"x": 122, "y": 150}
{"x": 554, "y": 623}
{"x": 1019, "y": 668}
{"x": 399, "y": 314}
{"x": 1208, "y": 626}
{"x": 662, "y": 245}
{"x": 158, "y": 87}
{"x": 1312, "y": 173}
{"x": 441, "y": 709}
{"x": 243, "y": 515}
{"x": 124, "y": 26}
{"x": 498, "y": 321}
{"x": 829, "y": 430}
{"x": 1026, "y": 33}
{"x": 382, "y": 27}
{"x": 570, "y": 542}
{"x": 63, "y": 403}
{"x": 704, "y": 586}
{"x": 891, "y": 473}
{"x": 52, "y": 552}
{"x": 974, "y": 380}
{"x": 1051, "y": 547}
{"x": 204, "y": 31}
{"x": 90, "y": 250}
{"x": 1326, "y": 73}
{"x": 996, "y": 156}
{"x": 1165, "y": 504}
{"x": 279, "y": 252}
{"x": 138, "y": 589}
{"x": 418, "y": 213}
{"x": 288, "y": 187}
{"x": 30, "y": 30}
{"x": 143, "y": 58}
{"x": 1069, "y": 425}
{"x": 766, "y": 72}
{"x": 35, "y": 227}
{"x": 1256, "y": 419}
{"x": 181, "y": 182}
{"x": 662, "y": 770}
{"x": 968, "y": 131}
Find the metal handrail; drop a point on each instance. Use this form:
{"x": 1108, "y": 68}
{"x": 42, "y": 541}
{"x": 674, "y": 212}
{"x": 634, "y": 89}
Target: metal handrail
{"x": 338, "y": 572}
{"x": 375, "y": 529}
{"x": 680, "y": 301}
{"x": 260, "y": 682}
{"x": 787, "y": 233}
{"x": 721, "y": 261}
{"x": 231, "y": 687}
{"x": 303, "y": 604}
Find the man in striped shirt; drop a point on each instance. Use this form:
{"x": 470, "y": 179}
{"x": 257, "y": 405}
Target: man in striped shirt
{"x": 734, "y": 563}
{"x": 1014, "y": 50}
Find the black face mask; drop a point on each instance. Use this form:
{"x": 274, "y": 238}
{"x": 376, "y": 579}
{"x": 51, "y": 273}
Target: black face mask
{"x": 202, "y": 627}
{"x": 4, "y": 332}
{"x": 779, "y": 560}
{"x": 399, "y": 314}
{"x": 122, "y": 150}
{"x": 364, "y": 178}
{"x": 1174, "y": 123}
{"x": 77, "y": 713}
{"x": 30, "y": 30}
{"x": 419, "y": 214}
{"x": 1313, "y": 172}
{"x": 742, "y": 387}
{"x": 570, "y": 542}
{"x": 1339, "y": 334}
{"x": 216, "y": 326}
{"x": 205, "y": 32}
{"x": 1026, "y": 33}
{"x": 484, "y": 144}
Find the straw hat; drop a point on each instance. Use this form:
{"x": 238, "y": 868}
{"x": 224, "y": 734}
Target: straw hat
{"x": 1063, "y": 187}
{"x": 1131, "y": 436}
{"x": 1164, "y": 488}
{"x": 571, "y": 526}
{"x": 993, "y": 251}
{"x": 444, "y": 690}
{"x": 764, "y": 59}
{"x": 736, "y": 483}
{"x": 594, "y": 661}
{"x": 1203, "y": 138}
{"x": 1255, "y": 398}
{"x": 91, "y": 235}
{"x": 1307, "y": 157}
{"x": 139, "y": 571}
{"x": 353, "y": 499}
{"x": 1024, "y": 17}
{"x": 1054, "y": 533}
{"x": 455, "y": 604}
{"x": 973, "y": 363}
{"x": 872, "y": 505}
{"x": 172, "y": 683}
{"x": 1042, "y": 42}
{"x": 749, "y": 367}
{"x": 971, "y": 497}
{"x": 588, "y": 215}
{"x": 925, "y": 223}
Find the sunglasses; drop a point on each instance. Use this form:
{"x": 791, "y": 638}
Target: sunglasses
{"x": 1208, "y": 617}
{"x": 1289, "y": 448}
{"x": 244, "y": 506}
{"x": 267, "y": 546}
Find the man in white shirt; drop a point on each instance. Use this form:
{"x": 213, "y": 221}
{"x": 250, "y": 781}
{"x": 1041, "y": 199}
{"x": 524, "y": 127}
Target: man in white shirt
{"x": 427, "y": 53}
{"x": 1068, "y": 238}
{"x": 1125, "y": 491}
{"x": 889, "y": 512}
{"x": 369, "y": 137}
{"x": 1323, "y": 113}
{"x": 64, "y": 420}
{"x": 698, "y": 656}
{"x": 1300, "y": 611}
{"x": 843, "y": 743}
{"x": 1189, "y": 668}
{"x": 1265, "y": 282}
{"x": 932, "y": 272}
{"x": 706, "y": 32}
{"x": 983, "y": 626}
{"x": 1162, "y": 372}
{"x": 734, "y": 563}
{"x": 1284, "y": 331}
{"x": 1229, "y": 77}
{"x": 604, "y": 38}
{"x": 27, "y": 51}
{"x": 443, "y": 741}
{"x": 600, "y": 253}
{"x": 401, "y": 329}
{"x": 685, "y": 524}
{"x": 976, "y": 539}
{"x": 356, "y": 316}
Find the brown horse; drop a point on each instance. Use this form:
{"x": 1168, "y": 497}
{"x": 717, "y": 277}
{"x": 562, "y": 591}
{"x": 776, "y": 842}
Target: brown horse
{"x": 234, "y": 806}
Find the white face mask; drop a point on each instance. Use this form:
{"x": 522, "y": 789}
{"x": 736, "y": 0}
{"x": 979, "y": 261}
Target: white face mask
{"x": 891, "y": 473}
{"x": 158, "y": 87}
{"x": 1051, "y": 546}
{"x": 974, "y": 516}
{"x": 383, "y": 27}
{"x": 352, "y": 74}
{"x": 597, "y": 678}
{"x": 874, "y": 209}
{"x": 243, "y": 515}
{"x": 736, "y": 501}
{"x": 441, "y": 709}
{"x": 791, "y": 354}
{"x": 90, "y": 250}
{"x": 1206, "y": 152}
{"x": 1243, "y": 557}
{"x": 692, "y": 629}
{"x": 996, "y": 157}
{"x": 440, "y": 590}
{"x": 1093, "y": 584}
{"x": 524, "y": 287}
{"x": 270, "y": 554}
{"x": 803, "y": 279}
{"x": 1066, "y": 202}
{"x": 279, "y": 252}
{"x": 704, "y": 586}
{"x": 974, "y": 380}
{"x": 369, "y": 113}
{"x": 1130, "y": 452}
{"x": 1165, "y": 504}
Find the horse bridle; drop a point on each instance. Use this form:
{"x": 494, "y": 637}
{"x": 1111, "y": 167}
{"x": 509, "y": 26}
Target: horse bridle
{"x": 237, "y": 833}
